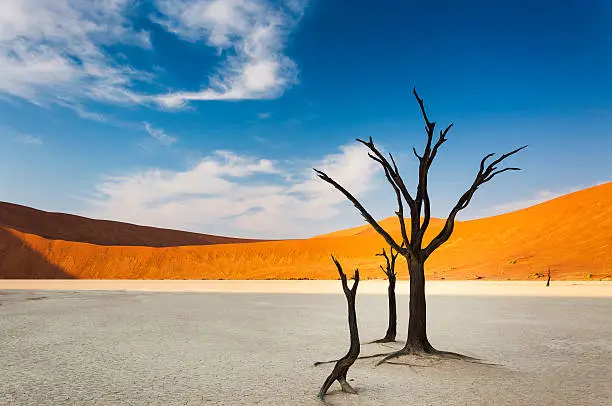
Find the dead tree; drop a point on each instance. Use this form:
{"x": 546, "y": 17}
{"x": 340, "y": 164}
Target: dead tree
{"x": 412, "y": 235}
{"x": 343, "y": 364}
{"x": 389, "y": 270}
{"x": 548, "y": 280}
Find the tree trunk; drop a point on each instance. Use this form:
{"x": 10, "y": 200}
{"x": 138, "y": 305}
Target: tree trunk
{"x": 417, "y": 323}
{"x": 343, "y": 364}
{"x": 392, "y": 329}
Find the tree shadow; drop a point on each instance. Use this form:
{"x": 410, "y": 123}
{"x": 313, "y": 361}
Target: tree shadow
{"x": 19, "y": 261}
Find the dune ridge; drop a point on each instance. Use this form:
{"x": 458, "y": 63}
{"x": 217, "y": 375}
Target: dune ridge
{"x": 70, "y": 227}
{"x": 571, "y": 235}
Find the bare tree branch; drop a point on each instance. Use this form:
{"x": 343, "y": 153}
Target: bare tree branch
{"x": 348, "y": 292}
{"x": 426, "y": 215}
{"x": 400, "y": 207}
{"x": 400, "y": 210}
{"x": 345, "y": 287}
{"x": 416, "y": 154}
{"x": 383, "y": 269}
{"x": 428, "y": 124}
{"x": 429, "y": 128}
{"x": 485, "y": 174}
{"x": 394, "y": 164}
{"x": 367, "y": 216}
{"x": 355, "y": 282}
{"x": 440, "y": 141}
{"x": 425, "y": 193}
{"x": 488, "y": 178}
{"x": 423, "y": 203}
{"x": 388, "y": 267}
{"x": 506, "y": 155}
{"x": 389, "y": 270}
{"x": 392, "y": 170}
{"x": 396, "y": 181}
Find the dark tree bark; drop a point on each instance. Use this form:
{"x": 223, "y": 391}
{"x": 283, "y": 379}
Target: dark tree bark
{"x": 343, "y": 364}
{"x": 417, "y": 332}
{"x": 411, "y": 247}
{"x": 389, "y": 270}
{"x": 392, "y": 327}
{"x": 548, "y": 280}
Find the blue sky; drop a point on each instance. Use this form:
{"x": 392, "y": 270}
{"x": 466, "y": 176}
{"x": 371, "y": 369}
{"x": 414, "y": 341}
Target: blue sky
{"x": 209, "y": 115}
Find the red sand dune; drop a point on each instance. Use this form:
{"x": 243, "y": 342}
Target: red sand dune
{"x": 68, "y": 227}
{"x": 571, "y": 234}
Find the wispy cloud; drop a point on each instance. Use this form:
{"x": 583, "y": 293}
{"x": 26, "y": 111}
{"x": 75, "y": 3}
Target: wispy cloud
{"x": 29, "y": 139}
{"x": 253, "y": 31}
{"x": 53, "y": 50}
{"x": 226, "y": 193}
{"x": 57, "y": 51}
{"x": 159, "y": 135}
{"x": 89, "y": 115}
{"x": 264, "y": 116}
{"x": 22, "y": 138}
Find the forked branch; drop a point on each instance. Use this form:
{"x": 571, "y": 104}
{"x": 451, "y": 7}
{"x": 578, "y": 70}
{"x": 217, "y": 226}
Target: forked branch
{"x": 389, "y": 269}
{"x": 396, "y": 181}
{"x": 348, "y": 292}
{"x": 367, "y": 216}
{"x": 422, "y": 201}
{"x": 485, "y": 173}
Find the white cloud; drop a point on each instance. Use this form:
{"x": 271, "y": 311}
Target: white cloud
{"x": 83, "y": 113}
{"x": 237, "y": 195}
{"x": 29, "y": 139}
{"x": 264, "y": 116}
{"x": 159, "y": 134}
{"x": 56, "y": 51}
{"x": 251, "y": 33}
{"x": 52, "y": 50}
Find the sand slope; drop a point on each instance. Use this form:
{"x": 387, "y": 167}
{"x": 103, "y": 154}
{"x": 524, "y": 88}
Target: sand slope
{"x": 571, "y": 234}
{"x": 68, "y": 227}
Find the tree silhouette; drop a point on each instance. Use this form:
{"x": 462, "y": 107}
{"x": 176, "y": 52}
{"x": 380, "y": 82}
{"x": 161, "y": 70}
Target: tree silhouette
{"x": 343, "y": 364}
{"x": 416, "y": 255}
{"x": 389, "y": 270}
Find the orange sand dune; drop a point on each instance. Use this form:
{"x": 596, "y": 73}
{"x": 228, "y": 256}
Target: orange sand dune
{"x": 571, "y": 234}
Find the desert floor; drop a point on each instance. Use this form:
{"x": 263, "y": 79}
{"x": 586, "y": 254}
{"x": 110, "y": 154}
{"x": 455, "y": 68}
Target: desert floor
{"x": 235, "y": 342}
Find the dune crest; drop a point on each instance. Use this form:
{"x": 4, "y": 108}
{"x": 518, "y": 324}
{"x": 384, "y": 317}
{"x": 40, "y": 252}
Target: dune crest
{"x": 70, "y": 227}
{"x": 571, "y": 234}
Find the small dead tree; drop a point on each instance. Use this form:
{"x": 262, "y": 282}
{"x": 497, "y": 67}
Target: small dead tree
{"x": 389, "y": 270}
{"x": 343, "y": 364}
{"x": 412, "y": 235}
{"x": 548, "y": 280}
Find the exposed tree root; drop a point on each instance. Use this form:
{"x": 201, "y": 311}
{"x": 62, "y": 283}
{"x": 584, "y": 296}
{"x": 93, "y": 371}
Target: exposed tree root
{"x": 363, "y": 357}
{"x": 453, "y": 355}
{"x": 430, "y": 353}
{"x": 434, "y": 360}
{"x": 381, "y": 354}
{"x": 346, "y": 387}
